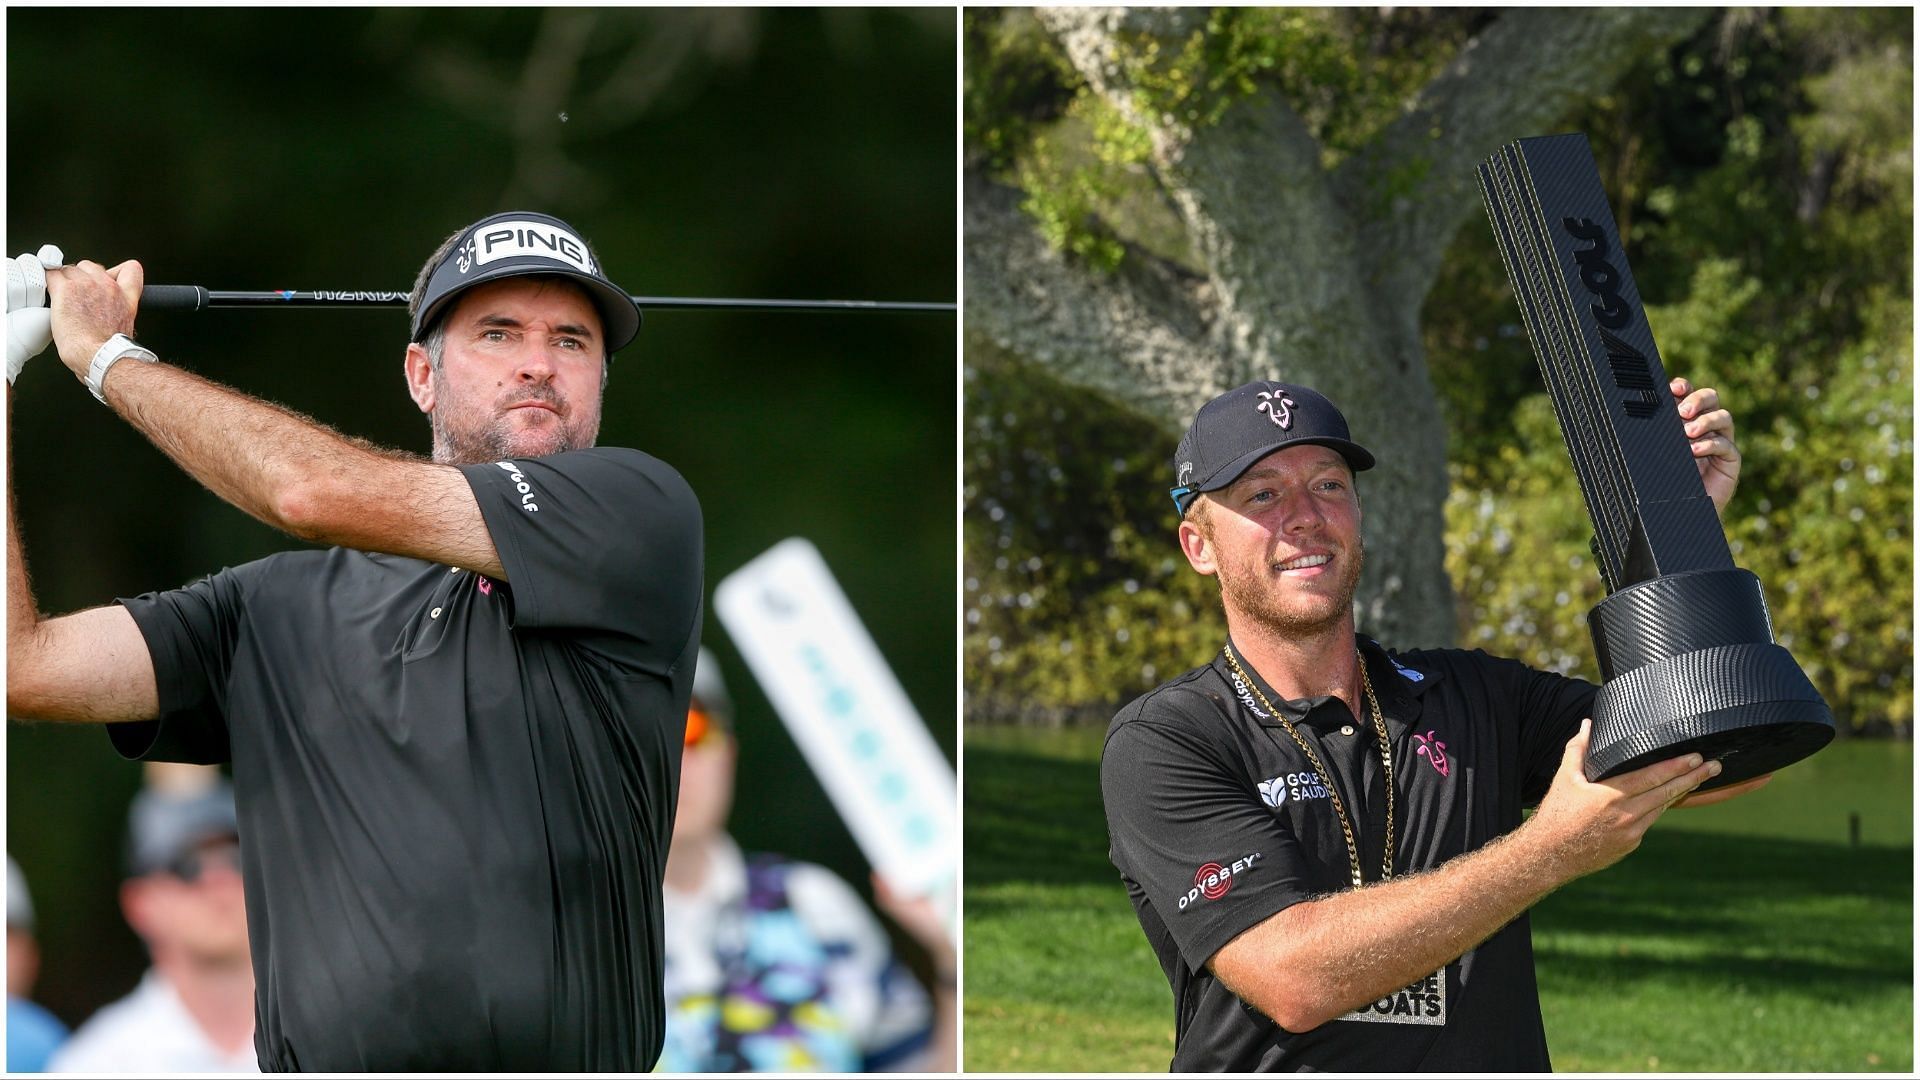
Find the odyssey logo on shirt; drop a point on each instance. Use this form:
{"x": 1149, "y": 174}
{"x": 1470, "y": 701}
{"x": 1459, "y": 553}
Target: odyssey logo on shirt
{"x": 1213, "y": 879}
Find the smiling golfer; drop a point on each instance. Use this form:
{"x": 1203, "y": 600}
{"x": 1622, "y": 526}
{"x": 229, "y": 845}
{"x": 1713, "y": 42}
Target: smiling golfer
{"x": 456, "y": 733}
{"x": 1323, "y": 840}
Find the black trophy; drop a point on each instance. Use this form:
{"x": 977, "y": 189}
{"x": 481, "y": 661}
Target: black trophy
{"x": 1686, "y": 650}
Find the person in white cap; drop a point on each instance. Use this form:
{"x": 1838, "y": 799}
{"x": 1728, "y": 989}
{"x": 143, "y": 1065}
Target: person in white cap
{"x": 773, "y": 964}
{"x": 33, "y": 1033}
{"x": 193, "y": 1009}
{"x": 456, "y": 731}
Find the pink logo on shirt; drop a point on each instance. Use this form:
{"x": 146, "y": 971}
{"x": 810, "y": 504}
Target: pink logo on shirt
{"x": 485, "y": 586}
{"x": 1433, "y": 750}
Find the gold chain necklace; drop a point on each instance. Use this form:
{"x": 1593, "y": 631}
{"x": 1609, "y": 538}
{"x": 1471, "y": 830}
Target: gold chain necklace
{"x": 1326, "y": 775}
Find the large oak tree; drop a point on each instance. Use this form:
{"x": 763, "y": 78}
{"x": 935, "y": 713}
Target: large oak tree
{"x": 1293, "y": 258}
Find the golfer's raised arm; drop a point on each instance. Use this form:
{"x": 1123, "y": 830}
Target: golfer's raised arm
{"x": 282, "y": 468}
{"x": 1314, "y": 961}
{"x": 91, "y": 665}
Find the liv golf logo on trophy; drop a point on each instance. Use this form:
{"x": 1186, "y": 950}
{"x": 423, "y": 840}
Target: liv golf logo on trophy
{"x": 1683, "y": 638}
{"x": 1630, "y": 370}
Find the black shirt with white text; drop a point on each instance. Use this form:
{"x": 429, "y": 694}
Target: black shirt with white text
{"x": 454, "y": 793}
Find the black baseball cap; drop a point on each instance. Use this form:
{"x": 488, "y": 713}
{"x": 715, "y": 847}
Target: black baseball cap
{"x": 1247, "y": 423}
{"x": 164, "y": 826}
{"x": 520, "y": 242}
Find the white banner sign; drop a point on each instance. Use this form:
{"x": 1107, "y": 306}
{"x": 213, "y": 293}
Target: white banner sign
{"x": 843, "y": 706}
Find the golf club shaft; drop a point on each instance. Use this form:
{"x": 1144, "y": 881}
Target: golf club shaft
{"x": 197, "y": 298}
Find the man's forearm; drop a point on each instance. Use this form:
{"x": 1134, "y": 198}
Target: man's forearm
{"x": 300, "y": 476}
{"x": 283, "y": 468}
{"x": 267, "y": 461}
{"x": 22, "y": 615}
{"x": 89, "y": 666}
{"x": 1318, "y": 960}
{"x": 1321, "y": 959}
{"x": 943, "y": 1049}
{"x": 261, "y": 458}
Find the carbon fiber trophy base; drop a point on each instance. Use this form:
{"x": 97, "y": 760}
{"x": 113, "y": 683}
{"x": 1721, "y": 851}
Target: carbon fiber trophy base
{"x": 1689, "y": 666}
{"x": 1684, "y": 641}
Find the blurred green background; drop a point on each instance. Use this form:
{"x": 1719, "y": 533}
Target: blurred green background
{"x": 787, "y": 153}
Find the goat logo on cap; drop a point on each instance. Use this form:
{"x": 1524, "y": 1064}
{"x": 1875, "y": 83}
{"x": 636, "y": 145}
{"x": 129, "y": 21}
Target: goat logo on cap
{"x": 1278, "y": 407}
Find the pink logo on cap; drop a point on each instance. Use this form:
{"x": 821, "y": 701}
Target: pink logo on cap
{"x": 1278, "y": 407}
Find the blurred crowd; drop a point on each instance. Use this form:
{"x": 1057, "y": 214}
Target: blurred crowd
{"x": 776, "y": 965}
{"x": 192, "y": 1010}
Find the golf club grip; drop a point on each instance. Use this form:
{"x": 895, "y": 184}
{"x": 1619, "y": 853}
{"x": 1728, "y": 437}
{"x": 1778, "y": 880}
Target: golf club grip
{"x": 173, "y": 298}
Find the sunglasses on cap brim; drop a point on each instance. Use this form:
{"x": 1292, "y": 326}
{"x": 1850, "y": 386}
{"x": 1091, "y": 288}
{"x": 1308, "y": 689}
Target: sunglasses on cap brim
{"x": 702, "y": 727}
{"x": 190, "y": 866}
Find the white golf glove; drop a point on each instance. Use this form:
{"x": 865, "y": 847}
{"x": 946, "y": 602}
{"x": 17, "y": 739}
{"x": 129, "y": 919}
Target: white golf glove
{"x": 29, "y": 319}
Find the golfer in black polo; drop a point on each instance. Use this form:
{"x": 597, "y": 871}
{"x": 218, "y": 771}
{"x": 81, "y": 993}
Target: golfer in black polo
{"x": 456, "y": 734}
{"x": 1323, "y": 839}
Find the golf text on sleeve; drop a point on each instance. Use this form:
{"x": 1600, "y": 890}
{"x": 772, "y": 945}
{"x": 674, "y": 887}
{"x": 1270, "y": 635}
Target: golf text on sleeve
{"x": 401, "y": 730}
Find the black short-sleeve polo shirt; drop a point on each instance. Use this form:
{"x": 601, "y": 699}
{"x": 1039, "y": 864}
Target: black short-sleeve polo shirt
{"x": 1217, "y": 820}
{"x": 455, "y": 793}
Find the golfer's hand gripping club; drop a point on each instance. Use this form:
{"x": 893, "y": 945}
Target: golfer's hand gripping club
{"x": 29, "y": 320}
{"x": 91, "y": 303}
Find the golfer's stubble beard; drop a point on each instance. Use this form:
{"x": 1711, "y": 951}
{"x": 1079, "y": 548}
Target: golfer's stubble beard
{"x": 465, "y": 433}
{"x": 1260, "y": 599}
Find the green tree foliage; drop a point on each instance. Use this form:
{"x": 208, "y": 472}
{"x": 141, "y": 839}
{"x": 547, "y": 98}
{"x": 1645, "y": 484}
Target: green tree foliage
{"x": 1030, "y": 117}
{"x": 1076, "y": 595}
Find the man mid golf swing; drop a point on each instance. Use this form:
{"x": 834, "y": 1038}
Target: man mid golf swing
{"x": 456, "y": 735}
{"x": 1322, "y": 840}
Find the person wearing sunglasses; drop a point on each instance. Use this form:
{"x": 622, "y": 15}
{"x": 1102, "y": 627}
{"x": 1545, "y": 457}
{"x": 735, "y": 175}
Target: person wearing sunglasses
{"x": 193, "y": 1009}
{"x": 773, "y": 964}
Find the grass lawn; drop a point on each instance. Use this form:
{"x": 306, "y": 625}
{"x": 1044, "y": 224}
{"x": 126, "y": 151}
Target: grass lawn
{"x": 1747, "y": 937}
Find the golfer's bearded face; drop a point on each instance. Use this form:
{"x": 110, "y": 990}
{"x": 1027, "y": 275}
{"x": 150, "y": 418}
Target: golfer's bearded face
{"x": 521, "y": 375}
{"x": 1285, "y": 542}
